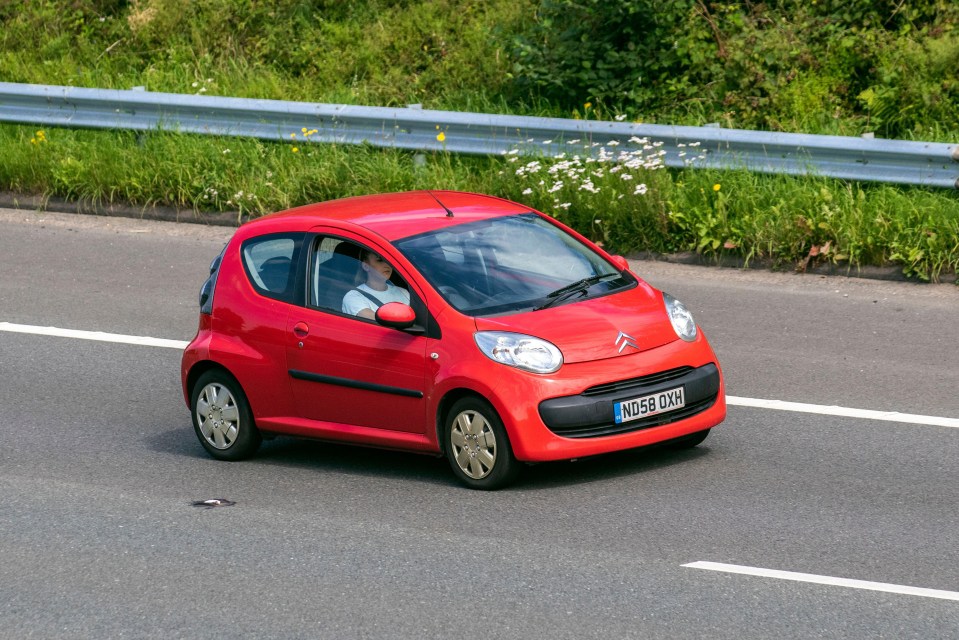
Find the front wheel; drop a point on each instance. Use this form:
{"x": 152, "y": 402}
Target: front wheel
{"x": 222, "y": 418}
{"x": 477, "y": 446}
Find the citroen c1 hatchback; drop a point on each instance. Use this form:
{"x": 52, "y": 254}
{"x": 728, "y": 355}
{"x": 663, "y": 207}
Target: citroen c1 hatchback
{"x": 445, "y": 323}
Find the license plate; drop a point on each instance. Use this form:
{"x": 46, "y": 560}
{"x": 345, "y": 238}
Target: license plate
{"x": 650, "y": 405}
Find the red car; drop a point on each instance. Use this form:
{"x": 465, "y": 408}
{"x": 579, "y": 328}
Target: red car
{"x": 446, "y": 323}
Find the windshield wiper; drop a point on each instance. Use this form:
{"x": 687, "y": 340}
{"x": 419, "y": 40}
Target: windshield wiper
{"x": 580, "y": 286}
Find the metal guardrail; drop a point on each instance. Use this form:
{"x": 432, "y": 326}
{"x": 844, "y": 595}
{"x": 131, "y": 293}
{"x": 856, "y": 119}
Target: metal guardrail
{"x": 878, "y": 160}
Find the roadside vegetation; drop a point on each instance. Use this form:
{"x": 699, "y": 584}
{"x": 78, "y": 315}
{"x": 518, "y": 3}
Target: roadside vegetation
{"x": 876, "y": 66}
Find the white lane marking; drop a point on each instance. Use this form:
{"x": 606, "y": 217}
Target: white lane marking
{"x": 93, "y": 335}
{"x": 827, "y": 580}
{"x": 779, "y": 405}
{"x": 801, "y": 407}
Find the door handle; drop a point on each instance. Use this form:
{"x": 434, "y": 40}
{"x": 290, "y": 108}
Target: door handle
{"x": 301, "y": 329}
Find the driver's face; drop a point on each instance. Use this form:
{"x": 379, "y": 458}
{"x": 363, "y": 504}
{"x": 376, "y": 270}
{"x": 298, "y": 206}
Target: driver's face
{"x": 377, "y": 268}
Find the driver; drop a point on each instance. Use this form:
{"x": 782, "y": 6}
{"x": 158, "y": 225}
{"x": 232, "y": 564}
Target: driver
{"x": 374, "y": 288}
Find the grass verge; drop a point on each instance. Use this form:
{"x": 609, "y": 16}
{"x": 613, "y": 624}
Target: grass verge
{"x": 629, "y": 204}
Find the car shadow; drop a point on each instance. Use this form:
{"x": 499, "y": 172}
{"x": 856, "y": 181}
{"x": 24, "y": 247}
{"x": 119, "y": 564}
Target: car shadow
{"x": 607, "y": 466}
{"x": 300, "y": 453}
{"x": 353, "y": 460}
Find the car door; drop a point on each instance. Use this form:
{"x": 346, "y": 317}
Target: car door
{"x": 257, "y": 287}
{"x": 345, "y": 369}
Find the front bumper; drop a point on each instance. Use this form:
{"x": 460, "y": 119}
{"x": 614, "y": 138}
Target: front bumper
{"x": 572, "y": 416}
{"x": 590, "y": 414}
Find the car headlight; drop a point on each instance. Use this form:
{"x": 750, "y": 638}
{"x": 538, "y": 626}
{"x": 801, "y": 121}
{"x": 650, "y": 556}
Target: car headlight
{"x": 520, "y": 351}
{"x": 682, "y": 319}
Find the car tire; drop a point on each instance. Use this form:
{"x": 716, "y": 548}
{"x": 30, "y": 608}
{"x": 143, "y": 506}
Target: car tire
{"x": 690, "y": 441}
{"x": 477, "y": 447}
{"x": 222, "y": 419}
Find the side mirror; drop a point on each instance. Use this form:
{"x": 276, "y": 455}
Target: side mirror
{"x": 621, "y": 263}
{"x": 396, "y": 315}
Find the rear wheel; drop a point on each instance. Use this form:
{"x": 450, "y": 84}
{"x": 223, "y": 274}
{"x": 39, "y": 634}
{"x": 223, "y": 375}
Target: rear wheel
{"x": 222, "y": 418}
{"x": 477, "y": 446}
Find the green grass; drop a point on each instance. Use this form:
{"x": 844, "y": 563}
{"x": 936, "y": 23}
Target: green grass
{"x": 459, "y": 55}
{"x": 784, "y": 220}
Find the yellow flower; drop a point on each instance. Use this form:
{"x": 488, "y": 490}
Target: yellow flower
{"x": 717, "y": 187}
{"x": 588, "y": 105}
{"x": 292, "y": 136}
{"x": 303, "y": 129}
{"x": 296, "y": 150}
{"x": 441, "y": 137}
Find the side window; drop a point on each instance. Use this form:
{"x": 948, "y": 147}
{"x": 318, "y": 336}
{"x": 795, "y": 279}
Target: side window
{"x": 346, "y": 277}
{"x": 334, "y": 269}
{"x": 270, "y": 263}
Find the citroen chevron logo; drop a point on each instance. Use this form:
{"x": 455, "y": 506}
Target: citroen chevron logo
{"x": 624, "y": 340}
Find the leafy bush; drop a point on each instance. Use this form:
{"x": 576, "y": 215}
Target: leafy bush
{"x": 876, "y": 65}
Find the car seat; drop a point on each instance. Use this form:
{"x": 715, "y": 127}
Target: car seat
{"x": 335, "y": 277}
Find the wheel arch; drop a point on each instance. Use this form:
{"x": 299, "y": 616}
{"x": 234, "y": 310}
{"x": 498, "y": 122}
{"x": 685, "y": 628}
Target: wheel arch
{"x": 201, "y": 367}
{"x": 450, "y": 398}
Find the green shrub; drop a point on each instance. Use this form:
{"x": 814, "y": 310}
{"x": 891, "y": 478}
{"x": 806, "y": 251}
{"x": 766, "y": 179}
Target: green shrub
{"x": 876, "y": 65}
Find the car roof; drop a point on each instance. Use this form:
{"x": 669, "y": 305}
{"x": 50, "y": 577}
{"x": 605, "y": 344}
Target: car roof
{"x": 391, "y": 215}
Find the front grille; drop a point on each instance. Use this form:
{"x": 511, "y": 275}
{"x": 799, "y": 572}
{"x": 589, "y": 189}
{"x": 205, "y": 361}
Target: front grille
{"x": 643, "y": 381}
{"x": 611, "y": 429}
{"x": 592, "y": 413}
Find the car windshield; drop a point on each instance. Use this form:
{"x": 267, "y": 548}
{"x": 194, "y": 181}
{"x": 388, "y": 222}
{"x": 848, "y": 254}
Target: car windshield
{"x": 509, "y": 264}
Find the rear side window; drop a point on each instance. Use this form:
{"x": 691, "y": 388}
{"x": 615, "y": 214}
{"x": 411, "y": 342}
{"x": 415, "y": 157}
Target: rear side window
{"x": 270, "y": 264}
{"x": 206, "y": 291}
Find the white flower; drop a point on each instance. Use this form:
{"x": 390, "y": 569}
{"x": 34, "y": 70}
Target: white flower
{"x": 527, "y": 191}
{"x": 620, "y": 118}
{"x": 640, "y": 190}
{"x": 626, "y": 176}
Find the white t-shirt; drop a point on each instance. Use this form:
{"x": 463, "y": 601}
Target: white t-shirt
{"x": 354, "y": 301}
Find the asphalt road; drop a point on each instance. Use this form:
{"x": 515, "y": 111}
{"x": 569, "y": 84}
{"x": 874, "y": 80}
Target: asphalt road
{"x": 99, "y": 467}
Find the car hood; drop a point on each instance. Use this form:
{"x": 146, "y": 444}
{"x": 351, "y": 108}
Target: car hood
{"x": 611, "y": 326}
